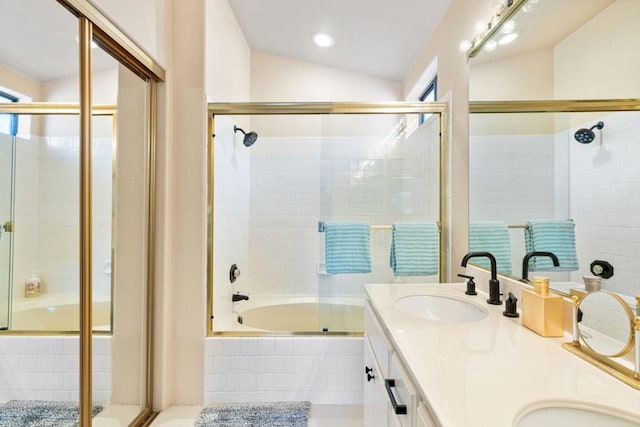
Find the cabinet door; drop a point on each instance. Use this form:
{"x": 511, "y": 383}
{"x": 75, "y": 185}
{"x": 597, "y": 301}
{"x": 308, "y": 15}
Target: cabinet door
{"x": 403, "y": 391}
{"x": 375, "y": 395}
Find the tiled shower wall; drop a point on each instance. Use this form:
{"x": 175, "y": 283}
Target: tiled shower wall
{"x": 46, "y": 213}
{"x": 512, "y": 179}
{"x": 231, "y": 219}
{"x": 298, "y": 181}
{"x": 46, "y": 368}
{"x": 605, "y": 200}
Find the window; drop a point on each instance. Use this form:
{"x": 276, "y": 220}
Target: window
{"x": 430, "y": 94}
{"x": 8, "y": 122}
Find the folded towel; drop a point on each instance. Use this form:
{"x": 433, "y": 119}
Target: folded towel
{"x": 414, "y": 249}
{"x": 491, "y": 236}
{"x": 555, "y": 236}
{"x": 347, "y": 247}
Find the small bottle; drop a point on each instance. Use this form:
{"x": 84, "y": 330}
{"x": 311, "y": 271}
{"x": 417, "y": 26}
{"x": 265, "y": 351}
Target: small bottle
{"x": 32, "y": 286}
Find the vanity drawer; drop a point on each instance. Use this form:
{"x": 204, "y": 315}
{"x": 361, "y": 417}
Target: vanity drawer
{"x": 382, "y": 348}
{"x": 404, "y": 392}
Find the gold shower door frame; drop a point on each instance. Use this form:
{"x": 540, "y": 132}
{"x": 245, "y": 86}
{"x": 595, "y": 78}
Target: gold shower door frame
{"x": 326, "y": 108}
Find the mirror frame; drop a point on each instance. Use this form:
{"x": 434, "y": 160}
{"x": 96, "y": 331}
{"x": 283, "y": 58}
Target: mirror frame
{"x": 629, "y": 344}
{"x": 629, "y": 376}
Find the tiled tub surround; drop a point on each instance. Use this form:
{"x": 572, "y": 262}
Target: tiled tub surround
{"x": 325, "y": 370}
{"x": 46, "y": 368}
{"x": 487, "y": 372}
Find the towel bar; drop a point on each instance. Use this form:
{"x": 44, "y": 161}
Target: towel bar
{"x": 322, "y": 227}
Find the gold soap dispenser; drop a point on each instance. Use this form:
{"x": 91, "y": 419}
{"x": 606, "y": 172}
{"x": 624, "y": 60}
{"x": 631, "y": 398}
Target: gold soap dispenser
{"x": 541, "y": 312}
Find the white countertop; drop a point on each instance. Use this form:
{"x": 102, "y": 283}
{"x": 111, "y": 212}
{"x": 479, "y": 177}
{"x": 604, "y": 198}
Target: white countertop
{"x": 485, "y": 373}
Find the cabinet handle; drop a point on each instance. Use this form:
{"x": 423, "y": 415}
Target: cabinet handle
{"x": 370, "y": 377}
{"x": 398, "y": 409}
{"x": 367, "y": 369}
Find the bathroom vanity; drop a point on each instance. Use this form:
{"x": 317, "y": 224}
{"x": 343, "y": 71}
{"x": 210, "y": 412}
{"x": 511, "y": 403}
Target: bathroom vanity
{"x": 437, "y": 357}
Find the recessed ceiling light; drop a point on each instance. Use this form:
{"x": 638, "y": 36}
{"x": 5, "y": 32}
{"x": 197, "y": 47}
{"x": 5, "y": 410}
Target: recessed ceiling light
{"x": 508, "y": 38}
{"x": 323, "y": 39}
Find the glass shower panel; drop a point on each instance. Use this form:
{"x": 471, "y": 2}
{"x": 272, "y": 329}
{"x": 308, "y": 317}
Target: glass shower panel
{"x": 7, "y": 160}
{"x": 379, "y": 169}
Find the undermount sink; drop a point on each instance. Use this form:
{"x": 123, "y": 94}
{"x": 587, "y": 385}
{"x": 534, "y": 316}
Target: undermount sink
{"x": 443, "y": 308}
{"x": 575, "y": 415}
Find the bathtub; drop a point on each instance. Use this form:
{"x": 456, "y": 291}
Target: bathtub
{"x": 58, "y": 313}
{"x": 301, "y": 315}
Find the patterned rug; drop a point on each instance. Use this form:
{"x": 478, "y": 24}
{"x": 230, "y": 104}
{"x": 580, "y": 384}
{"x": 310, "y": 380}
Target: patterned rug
{"x": 276, "y": 414}
{"x": 41, "y": 413}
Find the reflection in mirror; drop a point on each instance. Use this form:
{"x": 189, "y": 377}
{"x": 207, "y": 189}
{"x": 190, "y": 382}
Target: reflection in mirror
{"x": 531, "y": 166}
{"x": 606, "y": 325}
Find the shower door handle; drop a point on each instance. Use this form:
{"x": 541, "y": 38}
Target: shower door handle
{"x": 8, "y": 227}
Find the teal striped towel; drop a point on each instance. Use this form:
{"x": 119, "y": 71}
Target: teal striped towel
{"x": 346, "y": 247}
{"x": 491, "y": 236}
{"x": 556, "y": 236}
{"x": 414, "y": 249}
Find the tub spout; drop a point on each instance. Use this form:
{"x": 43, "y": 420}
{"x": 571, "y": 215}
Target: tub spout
{"x": 239, "y": 297}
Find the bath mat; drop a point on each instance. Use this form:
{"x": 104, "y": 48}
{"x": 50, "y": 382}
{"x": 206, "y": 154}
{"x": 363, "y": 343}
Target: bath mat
{"x": 41, "y": 413}
{"x": 275, "y": 414}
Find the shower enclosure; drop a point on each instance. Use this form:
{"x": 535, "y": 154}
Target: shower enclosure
{"x": 312, "y": 164}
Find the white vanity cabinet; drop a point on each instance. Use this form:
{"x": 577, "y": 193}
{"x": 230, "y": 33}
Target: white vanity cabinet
{"x": 390, "y": 397}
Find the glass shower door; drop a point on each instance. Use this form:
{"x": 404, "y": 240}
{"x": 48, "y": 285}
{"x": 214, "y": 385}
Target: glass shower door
{"x": 7, "y": 154}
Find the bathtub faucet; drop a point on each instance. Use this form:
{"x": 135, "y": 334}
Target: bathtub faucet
{"x": 238, "y": 297}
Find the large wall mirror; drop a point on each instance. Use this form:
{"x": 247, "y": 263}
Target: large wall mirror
{"x": 577, "y": 165}
{"x": 47, "y": 110}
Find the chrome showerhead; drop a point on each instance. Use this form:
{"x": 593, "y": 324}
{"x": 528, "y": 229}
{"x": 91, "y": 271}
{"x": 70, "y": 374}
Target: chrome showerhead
{"x": 586, "y": 136}
{"x": 249, "y": 137}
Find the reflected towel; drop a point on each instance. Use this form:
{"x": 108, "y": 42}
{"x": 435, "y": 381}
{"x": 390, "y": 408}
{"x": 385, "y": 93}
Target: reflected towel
{"x": 491, "y": 236}
{"x": 556, "y": 236}
{"x": 347, "y": 247}
{"x": 414, "y": 249}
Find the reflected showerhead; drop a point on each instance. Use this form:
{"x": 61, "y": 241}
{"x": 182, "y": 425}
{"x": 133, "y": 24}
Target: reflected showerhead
{"x": 586, "y": 136}
{"x": 249, "y": 138}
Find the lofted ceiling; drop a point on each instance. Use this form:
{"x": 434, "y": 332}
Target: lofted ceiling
{"x": 375, "y": 37}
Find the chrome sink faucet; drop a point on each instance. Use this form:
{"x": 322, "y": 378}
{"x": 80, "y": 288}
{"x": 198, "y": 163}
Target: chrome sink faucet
{"x": 494, "y": 284}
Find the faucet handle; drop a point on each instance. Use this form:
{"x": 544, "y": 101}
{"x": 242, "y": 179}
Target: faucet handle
{"x": 511, "y": 306}
{"x": 471, "y": 285}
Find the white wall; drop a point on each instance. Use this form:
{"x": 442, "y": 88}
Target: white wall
{"x": 599, "y": 60}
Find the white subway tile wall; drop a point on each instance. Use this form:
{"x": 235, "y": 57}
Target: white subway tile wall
{"x": 322, "y": 370}
{"x": 511, "y": 179}
{"x": 605, "y": 200}
{"x": 46, "y": 214}
{"x": 46, "y": 368}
